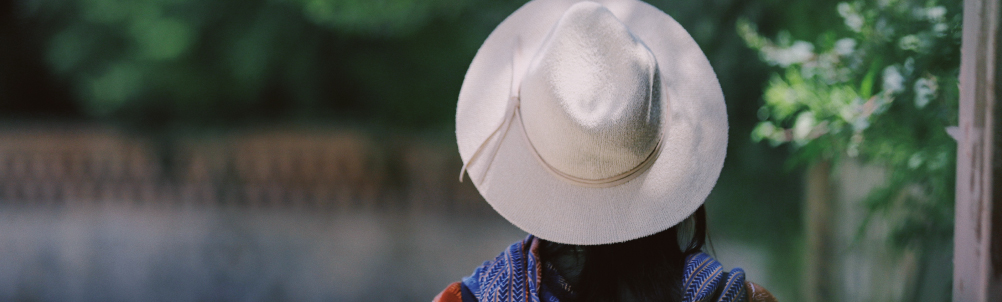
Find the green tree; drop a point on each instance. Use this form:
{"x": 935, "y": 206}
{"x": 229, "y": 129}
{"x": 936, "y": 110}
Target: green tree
{"x": 882, "y": 89}
{"x": 154, "y": 62}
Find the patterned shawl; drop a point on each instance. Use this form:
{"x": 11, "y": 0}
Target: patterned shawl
{"x": 516, "y": 276}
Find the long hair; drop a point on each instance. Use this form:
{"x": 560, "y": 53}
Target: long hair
{"x": 644, "y": 269}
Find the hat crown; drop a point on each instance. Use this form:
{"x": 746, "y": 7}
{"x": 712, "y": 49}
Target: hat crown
{"x": 591, "y": 103}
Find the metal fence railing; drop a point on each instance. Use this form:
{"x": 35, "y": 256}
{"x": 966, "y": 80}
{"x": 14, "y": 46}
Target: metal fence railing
{"x": 270, "y": 168}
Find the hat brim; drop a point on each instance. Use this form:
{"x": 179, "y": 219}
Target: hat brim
{"x": 518, "y": 187}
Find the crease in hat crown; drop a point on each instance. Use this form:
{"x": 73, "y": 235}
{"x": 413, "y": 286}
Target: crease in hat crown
{"x": 590, "y": 102}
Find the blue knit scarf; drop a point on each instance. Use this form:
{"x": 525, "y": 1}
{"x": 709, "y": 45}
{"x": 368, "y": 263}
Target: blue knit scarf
{"x": 516, "y": 276}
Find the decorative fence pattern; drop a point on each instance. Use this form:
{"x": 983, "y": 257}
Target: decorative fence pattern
{"x": 310, "y": 169}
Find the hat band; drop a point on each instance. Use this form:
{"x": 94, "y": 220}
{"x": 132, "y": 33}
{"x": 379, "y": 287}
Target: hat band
{"x": 513, "y": 108}
{"x": 596, "y": 183}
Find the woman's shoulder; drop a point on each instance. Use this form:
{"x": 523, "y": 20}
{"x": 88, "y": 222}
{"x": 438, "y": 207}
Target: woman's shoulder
{"x": 455, "y": 292}
{"x": 757, "y": 293}
{"x": 452, "y": 293}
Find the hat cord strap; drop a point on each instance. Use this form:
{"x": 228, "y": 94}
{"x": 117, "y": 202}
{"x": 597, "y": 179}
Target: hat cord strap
{"x": 502, "y": 128}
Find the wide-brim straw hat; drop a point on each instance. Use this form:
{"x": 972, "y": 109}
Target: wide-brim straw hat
{"x": 591, "y": 122}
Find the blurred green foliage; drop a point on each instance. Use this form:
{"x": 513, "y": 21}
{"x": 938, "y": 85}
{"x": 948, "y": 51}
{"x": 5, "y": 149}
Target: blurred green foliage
{"x": 156, "y": 62}
{"x": 377, "y": 16}
{"x": 882, "y": 88}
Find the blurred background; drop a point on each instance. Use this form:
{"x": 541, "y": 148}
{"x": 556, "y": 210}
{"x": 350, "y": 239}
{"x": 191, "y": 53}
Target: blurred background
{"x": 304, "y": 150}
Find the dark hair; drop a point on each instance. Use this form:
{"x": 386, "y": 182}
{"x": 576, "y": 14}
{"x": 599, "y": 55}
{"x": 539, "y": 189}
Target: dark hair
{"x": 644, "y": 269}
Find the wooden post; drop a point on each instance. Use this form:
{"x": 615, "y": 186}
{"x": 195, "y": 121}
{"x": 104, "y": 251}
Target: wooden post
{"x": 977, "y": 251}
{"x": 820, "y": 277}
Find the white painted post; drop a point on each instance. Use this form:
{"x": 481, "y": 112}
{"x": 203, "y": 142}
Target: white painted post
{"x": 977, "y": 259}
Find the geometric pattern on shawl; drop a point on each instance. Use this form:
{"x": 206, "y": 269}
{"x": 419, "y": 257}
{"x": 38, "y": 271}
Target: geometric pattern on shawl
{"x": 703, "y": 275}
{"x": 513, "y": 276}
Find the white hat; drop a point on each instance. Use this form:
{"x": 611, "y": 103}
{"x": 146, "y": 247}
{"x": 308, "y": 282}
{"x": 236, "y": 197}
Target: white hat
{"x": 591, "y": 122}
